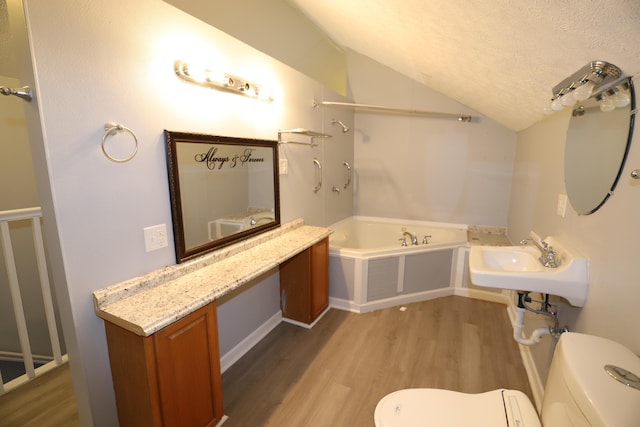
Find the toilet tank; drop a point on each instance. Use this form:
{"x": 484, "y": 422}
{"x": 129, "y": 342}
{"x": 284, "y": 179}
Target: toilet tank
{"x": 580, "y": 392}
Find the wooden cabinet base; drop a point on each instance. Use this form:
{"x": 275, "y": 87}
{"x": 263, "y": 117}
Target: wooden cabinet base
{"x": 171, "y": 378}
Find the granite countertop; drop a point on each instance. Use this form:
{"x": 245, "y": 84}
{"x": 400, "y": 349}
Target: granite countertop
{"x": 487, "y": 236}
{"x": 146, "y": 304}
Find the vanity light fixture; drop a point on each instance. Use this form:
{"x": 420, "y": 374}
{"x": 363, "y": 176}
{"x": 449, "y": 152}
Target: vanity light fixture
{"x": 583, "y": 84}
{"x": 208, "y": 78}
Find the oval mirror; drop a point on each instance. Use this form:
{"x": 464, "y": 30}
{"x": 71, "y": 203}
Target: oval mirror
{"x": 598, "y": 140}
{"x": 222, "y": 189}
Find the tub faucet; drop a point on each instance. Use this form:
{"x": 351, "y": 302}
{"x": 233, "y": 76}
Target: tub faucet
{"x": 413, "y": 237}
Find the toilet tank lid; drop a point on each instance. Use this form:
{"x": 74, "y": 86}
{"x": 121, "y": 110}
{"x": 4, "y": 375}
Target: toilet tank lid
{"x": 602, "y": 399}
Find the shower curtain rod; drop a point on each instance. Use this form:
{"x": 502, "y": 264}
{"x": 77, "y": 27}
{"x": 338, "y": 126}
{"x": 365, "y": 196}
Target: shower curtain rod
{"x": 402, "y": 111}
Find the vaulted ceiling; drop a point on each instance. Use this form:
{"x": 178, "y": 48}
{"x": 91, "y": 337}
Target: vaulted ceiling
{"x": 499, "y": 57}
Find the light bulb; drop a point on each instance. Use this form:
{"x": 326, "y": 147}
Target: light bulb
{"x": 556, "y": 104}
{"x": 548, "y": 110}
{"x": 568, "y": 100}
{"x": 196, "y": 73}
{"x": 584, "y": 91}
{"x": 620, "y": 100}
{"x": 606, "y": 105}
{"x": 216, "y": 77}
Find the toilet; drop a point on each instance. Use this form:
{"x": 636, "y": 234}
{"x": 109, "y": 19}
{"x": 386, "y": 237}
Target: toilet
{"x": 581, "y": 390}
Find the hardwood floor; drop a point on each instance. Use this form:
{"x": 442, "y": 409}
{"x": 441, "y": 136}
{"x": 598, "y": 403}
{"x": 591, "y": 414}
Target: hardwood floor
{"x": 45, "y": 401}
{"x": 334, "y": 374}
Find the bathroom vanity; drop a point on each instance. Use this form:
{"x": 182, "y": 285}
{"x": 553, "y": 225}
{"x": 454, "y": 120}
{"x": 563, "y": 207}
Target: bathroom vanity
{"x": 162, "y": 329}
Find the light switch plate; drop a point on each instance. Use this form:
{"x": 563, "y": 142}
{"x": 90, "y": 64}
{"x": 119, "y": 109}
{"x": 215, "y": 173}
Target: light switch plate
{"x": 284, "y": 167}
{"x": 155, "y": 237}
{"x": 561, "y": 209}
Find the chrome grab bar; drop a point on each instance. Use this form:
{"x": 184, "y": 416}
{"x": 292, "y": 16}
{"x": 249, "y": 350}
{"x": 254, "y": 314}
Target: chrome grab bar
{"x": 348, "y": 166}
{"x": 316, "y": 162}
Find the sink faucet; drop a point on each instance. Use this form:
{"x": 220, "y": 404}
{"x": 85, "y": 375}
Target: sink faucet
{"x": 548, "y": 255}
{"x": 414, "y": 238}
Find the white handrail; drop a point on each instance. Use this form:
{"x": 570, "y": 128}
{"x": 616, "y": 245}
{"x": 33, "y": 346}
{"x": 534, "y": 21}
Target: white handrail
{"x": 34, "y": 214}
{"x": 18, "y": 214}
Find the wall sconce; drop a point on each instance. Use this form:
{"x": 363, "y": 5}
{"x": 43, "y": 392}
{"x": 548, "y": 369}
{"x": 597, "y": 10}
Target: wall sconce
{"x": 583, "y": 84}
{"x": 208, "y": 78}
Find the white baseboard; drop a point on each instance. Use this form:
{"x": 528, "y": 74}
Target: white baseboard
{"x": 343, "y": 304}
{"x": 233, "y": 355}
{"x": 304, "y": 325}
{"x": 347, "y": 305}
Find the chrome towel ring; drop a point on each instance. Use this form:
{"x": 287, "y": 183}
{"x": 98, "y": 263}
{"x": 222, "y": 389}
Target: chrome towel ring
{"x": 112, "y": 128}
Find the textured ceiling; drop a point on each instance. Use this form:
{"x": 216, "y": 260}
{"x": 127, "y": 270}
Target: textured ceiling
{"x": 499, "y": 57}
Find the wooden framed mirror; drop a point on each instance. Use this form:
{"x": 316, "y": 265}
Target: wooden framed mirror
{"x": 223, "y": 190}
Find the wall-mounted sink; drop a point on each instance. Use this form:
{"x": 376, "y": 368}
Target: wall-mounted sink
{"x": 518, "y": 268}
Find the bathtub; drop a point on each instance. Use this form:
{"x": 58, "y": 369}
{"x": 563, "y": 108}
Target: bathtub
{"x": 370, "y": 269}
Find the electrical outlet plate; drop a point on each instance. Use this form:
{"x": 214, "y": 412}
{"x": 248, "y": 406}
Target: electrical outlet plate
{"x": 155, "y": 237}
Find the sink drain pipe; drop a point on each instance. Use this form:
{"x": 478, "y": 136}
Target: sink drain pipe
{"x": 517, "y": 330}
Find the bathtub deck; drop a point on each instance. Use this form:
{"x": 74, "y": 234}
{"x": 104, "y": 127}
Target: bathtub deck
{"x": 335, "y": 373}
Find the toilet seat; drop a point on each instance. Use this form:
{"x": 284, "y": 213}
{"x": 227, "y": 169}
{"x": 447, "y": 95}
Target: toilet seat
{"x": 421, "y": 407}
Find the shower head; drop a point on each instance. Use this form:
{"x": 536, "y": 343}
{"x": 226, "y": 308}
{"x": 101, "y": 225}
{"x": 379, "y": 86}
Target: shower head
{"x": 345, "y": 129}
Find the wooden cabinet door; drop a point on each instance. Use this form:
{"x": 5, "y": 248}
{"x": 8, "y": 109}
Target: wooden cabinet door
{"x": 304, "y": 283}
{"x": 319, "y": 278}
{"x": 188, "y": 365}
